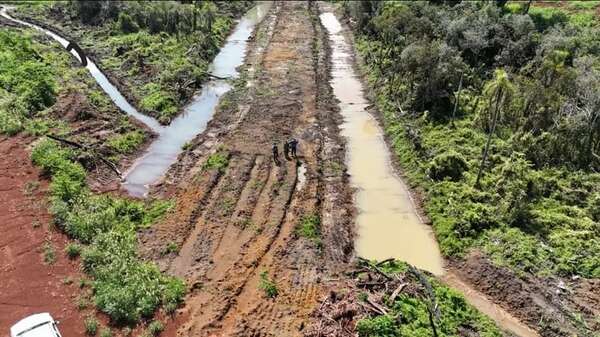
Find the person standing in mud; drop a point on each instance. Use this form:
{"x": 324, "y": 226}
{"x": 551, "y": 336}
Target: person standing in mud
{"x": 293, "y": 144}
{"x": 286, "y": 150}
{"x": 275, "y": 154}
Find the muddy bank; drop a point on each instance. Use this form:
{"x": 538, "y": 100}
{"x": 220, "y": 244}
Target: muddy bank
{"x": 547, "y": 305}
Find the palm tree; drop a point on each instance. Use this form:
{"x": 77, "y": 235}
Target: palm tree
{"x": 499, "y": 92}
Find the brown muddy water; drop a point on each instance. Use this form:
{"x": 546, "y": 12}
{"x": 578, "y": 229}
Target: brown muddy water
{"x": 388, "y": 222}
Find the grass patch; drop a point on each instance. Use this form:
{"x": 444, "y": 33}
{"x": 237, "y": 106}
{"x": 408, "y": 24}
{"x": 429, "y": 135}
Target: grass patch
{"x": 49, "y": 253}
{"x": 268, "y": 285}
{"x": 91, "y": 326}
{"x": 73, "y": 250}
{"x": 309, "y": 227}
{"x": 217, "y": 161}
{"x": 127, "y": 142}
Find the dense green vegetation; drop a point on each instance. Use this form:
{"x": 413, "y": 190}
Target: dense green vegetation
{"x": 409, "y": 314}
{"x": 160, "y": 50}
{"x": 513, "y": 169}
{"x": 27, "y": 85}
{"x": 125, "y": 288}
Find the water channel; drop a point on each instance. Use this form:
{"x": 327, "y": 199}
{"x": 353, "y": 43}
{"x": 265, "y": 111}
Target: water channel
{"x": 388, "y": 221}
{"x": 163, "y": 152}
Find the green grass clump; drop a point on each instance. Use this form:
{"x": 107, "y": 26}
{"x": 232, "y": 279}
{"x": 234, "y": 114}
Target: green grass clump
{"x": 309, "y": 227}
{"x": 91, "y": 326}
{"x": 268, "y": 285}
{"x": 73, "y": 250}
{"x": 217, "y": 161}
{"x": 106, "y": 333}
{"x": 127, "y": 142}
{"x": 49, "y": 253}
{"x": 155, "y": 328}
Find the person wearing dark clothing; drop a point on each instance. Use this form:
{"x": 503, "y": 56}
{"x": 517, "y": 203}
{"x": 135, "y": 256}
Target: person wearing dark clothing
{"x": 286, "y": 150}
{"x": 275, "y": 154}
{"x": 293, "y": 144}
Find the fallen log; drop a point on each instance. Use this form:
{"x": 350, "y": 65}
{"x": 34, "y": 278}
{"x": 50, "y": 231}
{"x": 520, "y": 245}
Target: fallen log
{"x": 108, "y": 163}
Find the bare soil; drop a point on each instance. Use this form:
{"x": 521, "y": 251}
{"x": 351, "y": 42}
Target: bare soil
{"x": 28, "y": 284}
{"x": 234, "y": 224}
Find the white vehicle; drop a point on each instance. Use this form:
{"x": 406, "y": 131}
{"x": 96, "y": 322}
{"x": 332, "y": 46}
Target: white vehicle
{"x": 38, "y": 325}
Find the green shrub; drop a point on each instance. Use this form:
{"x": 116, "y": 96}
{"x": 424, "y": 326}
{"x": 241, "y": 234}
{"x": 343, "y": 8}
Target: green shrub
{"x": 379, "y": 326}
{"x": 127, "y": 142}
{"x": 73, "y": 250}
{"x": 155, "y": 328}
{"x": 448, "y": 165}
{"x": 127, "y": 24}
{"x": 309, "y": 227}
{"x": 217, "y": 161}
{"x": 91, "y": 326}
{"x": 267, "y": 285}
{"x": 125, "y": 288}
{"x": 159, "y": 101}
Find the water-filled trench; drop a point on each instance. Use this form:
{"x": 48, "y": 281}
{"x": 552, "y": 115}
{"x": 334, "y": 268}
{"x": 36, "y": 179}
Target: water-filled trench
{"x": 388, "y": 221}
{"x": 163, "y": 151}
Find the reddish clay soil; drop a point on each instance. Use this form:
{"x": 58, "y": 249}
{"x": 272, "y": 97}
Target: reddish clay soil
{"x": 28, "y": 285}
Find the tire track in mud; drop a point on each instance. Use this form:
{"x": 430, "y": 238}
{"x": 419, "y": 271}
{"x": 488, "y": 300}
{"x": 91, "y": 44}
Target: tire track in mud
{"x": 225, "y": 249}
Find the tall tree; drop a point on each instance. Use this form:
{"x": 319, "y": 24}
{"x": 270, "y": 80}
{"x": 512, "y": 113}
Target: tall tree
{"x": 499, "y": 92}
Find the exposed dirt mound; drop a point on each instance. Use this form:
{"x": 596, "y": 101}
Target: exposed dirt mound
{"x": 548, "y": 304}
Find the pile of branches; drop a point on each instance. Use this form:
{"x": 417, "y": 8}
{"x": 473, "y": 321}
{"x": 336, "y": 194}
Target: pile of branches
{"x": 368, "y": 292}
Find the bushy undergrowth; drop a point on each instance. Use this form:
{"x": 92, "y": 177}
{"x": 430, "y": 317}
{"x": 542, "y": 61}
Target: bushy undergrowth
{"x": 162, "y": 48}
{"x": 125, "y": 288}
{"x": 27, "y": 83}
{"x": 534, "y": 207}
{"x": 409, "y": 316}
{"x": 127, "y": 142}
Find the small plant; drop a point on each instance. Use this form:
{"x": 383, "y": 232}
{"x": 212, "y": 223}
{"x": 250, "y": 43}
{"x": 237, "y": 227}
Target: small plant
{"x": 82, "y": 302}
{"x": 36, "y": 223}
{"x": 155, "y": 328}
{"x": 106, "y": 332}
{"x": 172, "y": 247}
{"x": 227, "y": 205}
{"x": 127, "y": 142}
{"x": 91, "y": 326}
{"x": 186, "y": 146}
{"x": 267, "y": 285}
{"x": 30, "y": 187}
{"x": 49, "y": 253}
{"x": 67, "y": 280}
{"x": 73, "y": 250}
{"x": 216, "y": 161}
{"x": 309, "y": 227}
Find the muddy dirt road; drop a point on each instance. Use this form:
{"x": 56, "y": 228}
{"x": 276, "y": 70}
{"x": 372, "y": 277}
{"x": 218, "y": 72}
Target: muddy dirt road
{"x": 238, "y": 224}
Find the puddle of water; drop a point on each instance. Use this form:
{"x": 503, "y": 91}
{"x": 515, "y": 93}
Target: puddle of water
{"x": 388, "y": 225}
{"x": 163, "y": 152}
